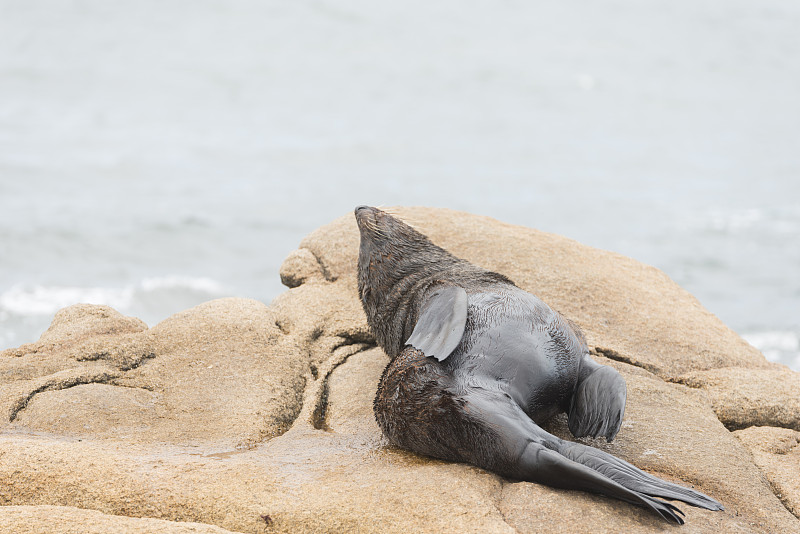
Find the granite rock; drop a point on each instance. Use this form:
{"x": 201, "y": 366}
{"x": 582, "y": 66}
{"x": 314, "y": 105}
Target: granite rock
{"x": 235, "y": 416}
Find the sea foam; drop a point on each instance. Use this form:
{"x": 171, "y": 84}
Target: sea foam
{"x": 37, "y": 299}
{"x": 777, "y": 346}
{"x": 45, "y": 300}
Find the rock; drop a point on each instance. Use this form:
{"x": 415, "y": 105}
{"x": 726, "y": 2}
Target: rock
{"x": 66, "y": 520}
{"x": 687, "y": 444}
{"x": 743, "y": 398}
{"x": 351, "y": 390}
{"x": 300, "y": 267}
{"x": 216, "y": 375}
{"x": 236, "y": 416}
{"x": 86, "y": 320}
{"x": 776, "y": 451}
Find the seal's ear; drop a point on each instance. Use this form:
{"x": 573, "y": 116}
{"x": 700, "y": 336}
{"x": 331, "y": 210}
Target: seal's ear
{"x": 441, "y": 324}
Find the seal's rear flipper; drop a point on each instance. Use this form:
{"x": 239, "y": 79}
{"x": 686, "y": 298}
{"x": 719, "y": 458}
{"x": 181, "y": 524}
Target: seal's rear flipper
{"x": 440, "y": 326}
{"x": 527, "y": 452}
{"x": 598, "y": 404}
{"x": 540, "y": 464}
{"x": 631, "y": 477}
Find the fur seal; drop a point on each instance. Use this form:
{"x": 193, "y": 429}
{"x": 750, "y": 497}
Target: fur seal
{"x": 477, "y": 363}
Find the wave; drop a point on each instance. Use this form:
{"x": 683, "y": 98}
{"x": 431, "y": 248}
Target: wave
{"x": 45, "y": 300}
{"x": 777, "y": 346}
{"x": 783, "y": 220}
{"x": 27, "y": 310}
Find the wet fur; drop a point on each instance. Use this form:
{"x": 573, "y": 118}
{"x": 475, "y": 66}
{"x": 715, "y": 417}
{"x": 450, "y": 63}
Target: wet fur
{"x": 517, "y": 364}
{"x": 397, "y": 267}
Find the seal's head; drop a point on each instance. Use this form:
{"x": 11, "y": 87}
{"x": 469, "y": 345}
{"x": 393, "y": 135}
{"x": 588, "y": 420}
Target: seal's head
{"x": 394, "y": 262}
{"x": 390, "y": 251}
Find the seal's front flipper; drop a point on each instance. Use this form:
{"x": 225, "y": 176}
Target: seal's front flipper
{"x": 440, "y": 326}
{"x": 598, "y": 404}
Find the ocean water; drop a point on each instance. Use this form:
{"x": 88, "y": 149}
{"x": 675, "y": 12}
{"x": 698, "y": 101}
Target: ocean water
{"x": 155, "y": 155}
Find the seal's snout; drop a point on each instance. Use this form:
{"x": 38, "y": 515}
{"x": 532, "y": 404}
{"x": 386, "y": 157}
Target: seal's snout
{"x": 364, "y": 215}
{"x": 362, "y": 211}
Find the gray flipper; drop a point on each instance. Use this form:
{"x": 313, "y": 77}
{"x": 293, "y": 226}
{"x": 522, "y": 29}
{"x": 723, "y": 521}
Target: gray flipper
{"x": 633, "y": 478}
{"x": 598, "y": 404}
{"x": 540, "y": 464}
{"x": 441, "y": 324}
{"x": 550, "y": 460}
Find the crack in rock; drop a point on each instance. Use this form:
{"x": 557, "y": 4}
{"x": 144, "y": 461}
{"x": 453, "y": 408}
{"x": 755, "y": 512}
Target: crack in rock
{"x": 612, "y": 354}
{"x": 320, "y": 416}
{"x": 314, "y": 409}
{"x": 281, "y": 324}
{"x": 116, "y": 383}
{"x": 303, "y": 265}
{"x": 498, "y": 502}
{"x": 784, "y": 500}
{"x": 326, "y": 272}
{"x": 743, "y": 398}
{"x": 362, "y": 337}
{"x": 59, "y": 381}
{"x": 770, "y": 447}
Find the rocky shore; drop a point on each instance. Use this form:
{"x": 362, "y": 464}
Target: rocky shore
{"x": 235, "y": 416}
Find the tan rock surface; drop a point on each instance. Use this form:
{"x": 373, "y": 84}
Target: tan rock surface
{"x": 233, "y": 411}
{"x": 66, "y": 520}
{"x": 751, "y": 397}
{"x": 216, "y": 374}
{"x": 776, "y": 452}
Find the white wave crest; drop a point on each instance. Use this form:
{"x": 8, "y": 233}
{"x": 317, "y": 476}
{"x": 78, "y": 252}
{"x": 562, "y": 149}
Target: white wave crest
{"x": 780, "y": 221}
{"x": 737, "y": 220}
{"x": 45, "y": 300}
{"x": 777, "y": 346}
{"x": 37, "y": 299}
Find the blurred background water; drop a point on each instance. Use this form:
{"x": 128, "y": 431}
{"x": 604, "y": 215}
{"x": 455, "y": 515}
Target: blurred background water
{"x": 157, "y": 154}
